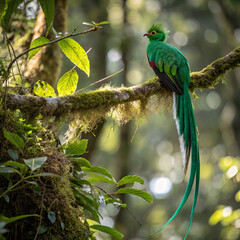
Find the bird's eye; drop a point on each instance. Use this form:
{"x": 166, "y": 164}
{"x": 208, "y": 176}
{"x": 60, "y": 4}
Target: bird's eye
{"x": 153, "y": 32}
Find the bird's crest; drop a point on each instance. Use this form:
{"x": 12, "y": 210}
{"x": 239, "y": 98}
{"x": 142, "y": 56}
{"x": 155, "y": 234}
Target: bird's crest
{"x": 158, "y": 27}
{"x": 162, "y": 33}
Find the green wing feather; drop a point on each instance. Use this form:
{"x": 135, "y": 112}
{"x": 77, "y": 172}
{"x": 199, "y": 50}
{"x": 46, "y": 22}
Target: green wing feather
{"x": 168, "y": 61}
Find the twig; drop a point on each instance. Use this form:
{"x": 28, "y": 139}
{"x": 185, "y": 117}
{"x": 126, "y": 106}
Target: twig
{"x": 14, "y": 54}
{"x": 95, "y": 28}
{"x": 109, "y": 195}
{"x": 80, "y": 59}
{"x": 40, "y": 221}
{"x": 101, "y": 80}
{"x": 10, "y": 189}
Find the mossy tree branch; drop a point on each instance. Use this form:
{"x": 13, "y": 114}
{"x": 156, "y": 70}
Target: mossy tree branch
{"x": 109, "y": 97}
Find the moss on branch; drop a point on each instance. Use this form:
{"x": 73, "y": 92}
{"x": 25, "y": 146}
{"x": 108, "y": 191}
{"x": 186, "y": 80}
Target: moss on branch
{"x": 209, "y": 76}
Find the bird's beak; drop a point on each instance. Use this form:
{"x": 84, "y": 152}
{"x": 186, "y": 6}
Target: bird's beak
{"x": 146, "y": 34}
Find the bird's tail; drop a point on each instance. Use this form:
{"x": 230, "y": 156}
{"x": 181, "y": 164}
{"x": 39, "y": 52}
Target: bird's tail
{"x": 187, "y": 130}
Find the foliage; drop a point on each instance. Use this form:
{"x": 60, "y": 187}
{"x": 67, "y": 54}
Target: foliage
{"x": 44, "y": 89}
{"x": 35, "y": 43}
{"x": 67, "y": 84}
{"x": 227, "y": 215}
{"x": 8, "y": 6}
{"x": 75, "y": 53}
{"x": 83, "y": 182}
{"x": 89, "y": 195}
{"x": 14, "y": 139}
{"x": 48, "y": 7}
{"x": 21, "y": 172}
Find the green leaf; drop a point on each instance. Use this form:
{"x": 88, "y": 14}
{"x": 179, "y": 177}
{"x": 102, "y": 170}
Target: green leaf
{"x": 62, "y": 225}
{"x": 35, "y": 163}
{"x": 93, "y": 178}
{"x": 13, "y": 219}
{"x": 67, "y": 84}
{"x": 107, "y": 230}
{"x": 101, "y": 170}
{"x": 52, "y": 217}
{"x": 3, "y": 9}
{"x": 12, "y": 6}
{"x": 88, "y": 24}
{"x": 6, "y": 197}
{"x": 36, "y": 187}
{"x": 103, "y": 23}
{"x": 86, "y": 201}
{"x": 140, "y": 193}
{"x": 13, "y": 154}
{"x": 3, "y": 229}
{"x": 82, "y": 162}
{"x": 6, "y": 169}
{"x": 46, "y": 174}
{"x": 48, "y": 7}
{"x": 84, "y": 182}
{"x": 14, "y": 139}
{"x": 130, "y": 179}
{"x": 86, "y": 198}
{"x": 114, "y": 201}
{"x": 21, "y": 166}
{"x": 93, "y": 211}
{"x": 37, "y": 42}
{"x": 77, "y": 148}
{"x": 42, "y": 229}
{"x": 43, "y": 89}
{"x": 75, "y": 53}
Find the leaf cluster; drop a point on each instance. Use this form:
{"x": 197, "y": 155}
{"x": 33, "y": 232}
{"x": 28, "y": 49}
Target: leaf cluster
{"x": 89, "y": 195}
{"x": 8, "y": 7}
{"x": 226, "y": 215}
{"x": 85, "y": 180}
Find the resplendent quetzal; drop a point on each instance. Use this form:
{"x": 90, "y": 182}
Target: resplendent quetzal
{"x": 172, "y": 68}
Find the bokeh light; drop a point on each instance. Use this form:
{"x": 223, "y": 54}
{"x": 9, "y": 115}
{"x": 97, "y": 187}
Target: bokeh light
{"x": 160, "y": 186}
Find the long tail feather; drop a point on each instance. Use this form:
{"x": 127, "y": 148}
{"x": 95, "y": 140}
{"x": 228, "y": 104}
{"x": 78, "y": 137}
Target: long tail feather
{"x": 195, "y": 197}
{"x": 185, "y": 197}
{"x": 195, "y": 157}
{"x": 186, "y": 127}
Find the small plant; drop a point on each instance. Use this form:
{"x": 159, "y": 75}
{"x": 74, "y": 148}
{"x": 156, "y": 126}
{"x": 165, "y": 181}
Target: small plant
{"x": 89, "y": 195}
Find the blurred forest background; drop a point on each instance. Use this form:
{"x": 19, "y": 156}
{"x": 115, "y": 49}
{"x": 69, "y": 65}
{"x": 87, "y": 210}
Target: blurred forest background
{"x": 204, "y": 31}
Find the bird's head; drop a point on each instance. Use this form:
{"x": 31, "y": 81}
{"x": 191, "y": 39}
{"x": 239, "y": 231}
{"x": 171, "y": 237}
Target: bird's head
{"x": 157, "y": 33}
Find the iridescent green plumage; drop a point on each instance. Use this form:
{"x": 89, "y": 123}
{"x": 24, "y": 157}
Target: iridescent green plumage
{"x": 172, "y": 68}
{"x": 158, "y": 27}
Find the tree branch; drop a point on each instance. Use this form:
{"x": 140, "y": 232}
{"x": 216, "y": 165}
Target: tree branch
{"x": 110, "y": 97}
{"x": 209, "y": 76}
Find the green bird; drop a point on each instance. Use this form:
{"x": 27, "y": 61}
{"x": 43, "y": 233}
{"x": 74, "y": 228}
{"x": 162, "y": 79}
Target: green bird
{"x": 172, "y": 68}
